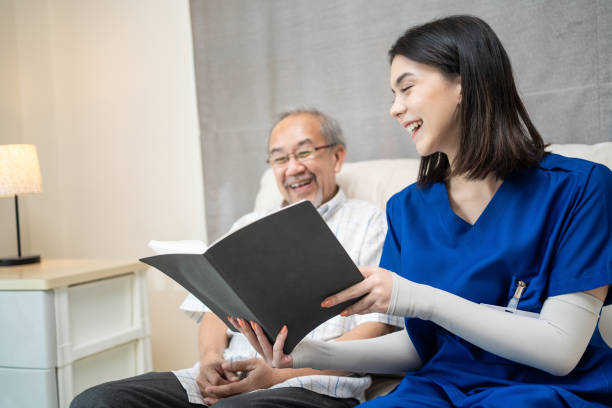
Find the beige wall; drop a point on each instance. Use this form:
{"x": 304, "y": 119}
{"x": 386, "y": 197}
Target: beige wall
{"x": 106, "y": 91}
{"x": 10, "y": 121}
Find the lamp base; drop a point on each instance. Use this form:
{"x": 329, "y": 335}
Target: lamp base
{"x": 21, "y": 260}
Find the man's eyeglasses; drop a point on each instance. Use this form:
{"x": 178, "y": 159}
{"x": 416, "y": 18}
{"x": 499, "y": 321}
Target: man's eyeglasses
{"x": 305, "y": 153}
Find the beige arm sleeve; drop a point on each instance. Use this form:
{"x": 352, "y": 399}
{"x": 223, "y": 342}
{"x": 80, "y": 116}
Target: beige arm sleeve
{"x": 392, "y": 353}
{"x": 553, "y": 342}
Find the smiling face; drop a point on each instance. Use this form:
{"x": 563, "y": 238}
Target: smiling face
{"x": 314, "y": 179}
{"x": 426, "y": 105}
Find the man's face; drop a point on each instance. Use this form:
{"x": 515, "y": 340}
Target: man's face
{"x": 313, "y": 179}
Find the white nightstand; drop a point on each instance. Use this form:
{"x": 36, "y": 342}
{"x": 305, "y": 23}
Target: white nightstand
{"x": 68, "y": 324}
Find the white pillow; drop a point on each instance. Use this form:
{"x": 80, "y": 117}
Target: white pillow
{"x": 177, "y": 247}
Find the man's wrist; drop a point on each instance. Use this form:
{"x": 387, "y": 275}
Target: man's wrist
{"x": 210, "y": 356}
{"x": 284, "y": 374}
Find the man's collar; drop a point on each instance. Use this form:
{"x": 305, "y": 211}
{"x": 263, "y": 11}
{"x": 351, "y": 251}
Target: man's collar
{"x": 330, "y": 206}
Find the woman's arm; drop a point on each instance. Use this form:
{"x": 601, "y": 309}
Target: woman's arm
{"x": 554, "y": 342}
{"x": 389, "y": 354}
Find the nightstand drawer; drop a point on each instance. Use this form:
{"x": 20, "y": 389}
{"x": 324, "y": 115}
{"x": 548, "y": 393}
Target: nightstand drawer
{"x": 100, "y": 309}
{"x": 112, "y": 364}
{"x": 25, "y": 387}
{"x": 28, "y": 329}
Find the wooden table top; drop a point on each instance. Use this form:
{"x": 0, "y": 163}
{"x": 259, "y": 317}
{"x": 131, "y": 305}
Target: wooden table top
{"x": 53, "y": 273}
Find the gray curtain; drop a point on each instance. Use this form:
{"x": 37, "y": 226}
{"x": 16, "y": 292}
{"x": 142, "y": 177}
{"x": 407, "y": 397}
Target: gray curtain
{"x": 256, "y": 58}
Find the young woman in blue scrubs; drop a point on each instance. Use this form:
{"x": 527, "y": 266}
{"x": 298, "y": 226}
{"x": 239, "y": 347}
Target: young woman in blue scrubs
{"x": 492, "y": 217}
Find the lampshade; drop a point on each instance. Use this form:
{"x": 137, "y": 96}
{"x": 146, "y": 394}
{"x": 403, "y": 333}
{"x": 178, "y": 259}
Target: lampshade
{"x": 19, "y": 170}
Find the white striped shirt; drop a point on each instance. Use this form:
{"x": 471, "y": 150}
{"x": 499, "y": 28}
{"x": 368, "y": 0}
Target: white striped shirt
{"x": 361, "y": 228}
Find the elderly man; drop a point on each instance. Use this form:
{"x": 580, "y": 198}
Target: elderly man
{"x": 305, "y": 150}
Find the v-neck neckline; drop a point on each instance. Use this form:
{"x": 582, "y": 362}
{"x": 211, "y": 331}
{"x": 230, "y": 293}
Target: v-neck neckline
{"x": 458, "y": 224}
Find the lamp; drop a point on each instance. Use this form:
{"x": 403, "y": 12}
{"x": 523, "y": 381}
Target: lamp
{"x": 19, "y": 174}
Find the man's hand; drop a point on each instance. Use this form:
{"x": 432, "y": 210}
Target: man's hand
{"x": 259, "y": 375}
{"x": 213, "y": 374}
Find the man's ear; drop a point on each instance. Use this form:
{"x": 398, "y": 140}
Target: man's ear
{"x": 339, "y": 155}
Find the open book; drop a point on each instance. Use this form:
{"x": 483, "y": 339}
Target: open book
{"x": 275, "y": 271}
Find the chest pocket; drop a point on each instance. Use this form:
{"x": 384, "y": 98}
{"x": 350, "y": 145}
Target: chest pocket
{"x": 525, "y": 291}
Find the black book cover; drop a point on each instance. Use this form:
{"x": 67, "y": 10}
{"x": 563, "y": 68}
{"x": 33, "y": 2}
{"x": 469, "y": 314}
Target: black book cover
{"x": 275, "y": 271}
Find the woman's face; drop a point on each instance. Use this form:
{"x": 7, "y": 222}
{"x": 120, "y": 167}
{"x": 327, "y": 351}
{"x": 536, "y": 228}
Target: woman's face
{"x": 426, "y": 105}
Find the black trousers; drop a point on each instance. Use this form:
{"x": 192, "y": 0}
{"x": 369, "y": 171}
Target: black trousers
{"x": 163, "y": 390}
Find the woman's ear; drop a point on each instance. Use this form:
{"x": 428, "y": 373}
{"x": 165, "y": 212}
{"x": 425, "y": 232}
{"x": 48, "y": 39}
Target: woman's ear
{"x": 457, "y": 84}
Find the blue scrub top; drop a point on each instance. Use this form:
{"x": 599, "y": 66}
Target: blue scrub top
{"x": 547, "y": 226}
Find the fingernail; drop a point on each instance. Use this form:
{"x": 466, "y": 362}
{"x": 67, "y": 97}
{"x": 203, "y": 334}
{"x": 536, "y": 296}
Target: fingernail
{"x": 241, "y": 321}
{"x": 252, "y": 325}
{"x": 344, "y": 313}
{"x": 284, "y": 329}
{"x": 326, "y": 303}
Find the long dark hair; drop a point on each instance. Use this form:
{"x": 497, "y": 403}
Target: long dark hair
{"x": 497, "y": 135}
